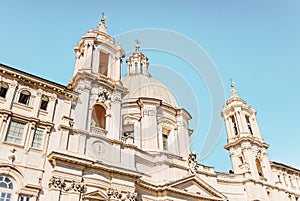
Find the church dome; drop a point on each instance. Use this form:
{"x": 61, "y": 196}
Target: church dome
{"x": 141, "y": 84}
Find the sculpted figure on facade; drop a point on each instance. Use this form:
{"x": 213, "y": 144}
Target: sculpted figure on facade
{"x": 193, "y": 165}
{"x": 103, "y": 95}
{"x": 11, "y": 156}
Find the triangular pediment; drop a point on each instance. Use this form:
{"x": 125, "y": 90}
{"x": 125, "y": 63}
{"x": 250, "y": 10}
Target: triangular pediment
{"x": 195, "y": 186}
{"x": 96, "y": 196}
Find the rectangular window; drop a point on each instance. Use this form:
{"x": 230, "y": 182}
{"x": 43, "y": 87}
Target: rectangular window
{"x": 249, "y": 124}
{"x": 37, "y": 138}
{"x": 44, "y": 103}
{"x": 234, "y": 125}
{"x": 15, "y": 132}
{"x": 128, "y": 130}
{"x": 5, "y": 196}
{"x": 103, "y": 66}
{"x": 24, "y": 198}
{"x": 165, "y": 136}
{"x": 165, "y": 142}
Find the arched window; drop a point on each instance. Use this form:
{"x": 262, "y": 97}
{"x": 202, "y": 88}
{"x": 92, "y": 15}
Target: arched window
{"x": 44, "y": 103}
{"x": 136, "y": 67}
{"x": 103, "y": 66}
{"x": 259, "y": 168}
{"x": 141, "y": 68}
{"x": 249, "y": 124}
{"x": 24, "y": 97}
{"x": 3, "y": 89}
{"x": 234, "y": 125}
{"x": 98, "y": 116}
{"x": 6, "y": 188}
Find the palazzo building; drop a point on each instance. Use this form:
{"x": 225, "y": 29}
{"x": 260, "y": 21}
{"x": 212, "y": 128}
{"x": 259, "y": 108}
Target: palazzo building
{"x": 107, "y": 137}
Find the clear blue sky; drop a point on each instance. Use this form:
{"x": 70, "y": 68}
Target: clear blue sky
{"x": 256, "y": 43}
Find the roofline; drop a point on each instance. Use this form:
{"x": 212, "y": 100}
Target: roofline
{"x": 37, "y": 78}
{"x": 284, "y": 166}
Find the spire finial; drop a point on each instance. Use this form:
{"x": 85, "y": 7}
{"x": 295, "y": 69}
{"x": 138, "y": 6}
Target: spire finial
{"x": 232, "y": 83}
{"x": 233, "y": 91}
{"x": 103, "y": 18}
{"x": 102, "y": 26}
{"x": 137, "y": 45}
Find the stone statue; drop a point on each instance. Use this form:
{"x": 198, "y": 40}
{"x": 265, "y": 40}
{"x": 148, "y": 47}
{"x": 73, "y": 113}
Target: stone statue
{"x": 11, "y": 156}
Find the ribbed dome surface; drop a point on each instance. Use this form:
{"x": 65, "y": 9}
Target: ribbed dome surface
{"x": 140, "y": 85}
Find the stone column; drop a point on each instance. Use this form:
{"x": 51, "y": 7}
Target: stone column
{"x": 183, "y": 137}
{"x": 256, "y": 128}
{"x": 51, "y": 106}
{"x": 88, "y": 54}
{"x": 118, "y": 69}
{"x": 3, "y": 123}
{"x": 81, "y": 111}
{"x": 10, "y": 95}
{"x": 36, "y": 106}
{"x": 109, "y": 67}
{"x": 115, "y": 117}
{"x": 96, "y": 59}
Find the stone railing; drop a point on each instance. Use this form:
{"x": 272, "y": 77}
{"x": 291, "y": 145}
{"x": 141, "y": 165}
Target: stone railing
{"x": 98, "y": 131}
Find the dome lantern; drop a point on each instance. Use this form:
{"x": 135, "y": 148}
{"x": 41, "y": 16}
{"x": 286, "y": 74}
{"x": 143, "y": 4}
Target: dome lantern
{"x": 141, "y": 84}
{"x": 137, "y": 63}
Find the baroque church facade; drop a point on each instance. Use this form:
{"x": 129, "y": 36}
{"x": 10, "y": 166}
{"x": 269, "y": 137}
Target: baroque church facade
{"x": 107, "y": 137}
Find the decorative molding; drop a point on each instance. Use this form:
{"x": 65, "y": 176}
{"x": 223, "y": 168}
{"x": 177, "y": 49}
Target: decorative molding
{"x": 117, "y": 195}
{"x": 63, "y": 185}
{"x": 116, "y": 99}
{"x": 103, "y": 95}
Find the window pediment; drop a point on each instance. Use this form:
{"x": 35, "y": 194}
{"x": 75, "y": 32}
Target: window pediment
{"x": 95, "y": 196}
{"x": 195, "y": 185}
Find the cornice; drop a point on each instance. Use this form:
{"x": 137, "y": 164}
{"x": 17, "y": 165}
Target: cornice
{"x": 185, "y": 113}
{"x": 56, "y": 157}
{"x": 93, "y": 34}
{"x": 26, "y": 118}
{"x": 281, "y": 166}
{"x": 141, "y": 101}
{"x": 251, "y": 139}
{"x": 99, "y": 79}
{"x": 235, "y": 99}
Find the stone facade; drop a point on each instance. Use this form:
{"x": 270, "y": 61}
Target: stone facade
{"x": 104, "y": 137}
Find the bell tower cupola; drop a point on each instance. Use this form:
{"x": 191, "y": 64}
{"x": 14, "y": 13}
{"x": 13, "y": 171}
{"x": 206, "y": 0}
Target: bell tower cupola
{"x": 240, "y": 118}
{"x": 248, "y": 151}
{"x": 97, "y": 53}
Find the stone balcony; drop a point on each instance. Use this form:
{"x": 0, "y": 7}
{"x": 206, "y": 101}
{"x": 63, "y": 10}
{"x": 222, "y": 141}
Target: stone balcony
{"x": 98, "y": 131}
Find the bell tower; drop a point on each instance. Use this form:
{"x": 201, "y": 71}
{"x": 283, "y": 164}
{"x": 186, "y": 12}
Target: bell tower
{"x": 248, "y": 151}
{"x": 97, "y": 75}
